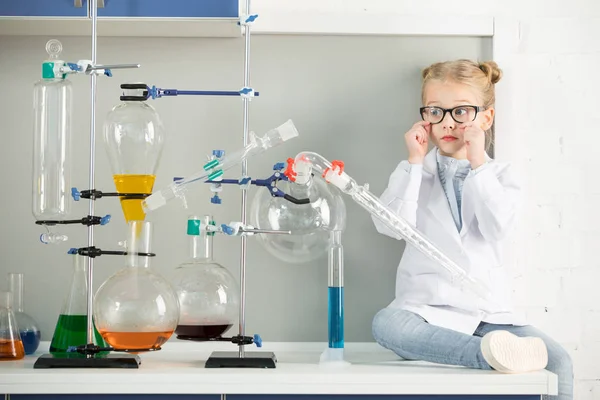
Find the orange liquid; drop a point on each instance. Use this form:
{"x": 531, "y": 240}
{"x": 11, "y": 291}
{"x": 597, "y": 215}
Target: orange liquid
{"x": 132, "y": 208}
{"x": 11, "y": 350}
{"x": 136, "y": 340}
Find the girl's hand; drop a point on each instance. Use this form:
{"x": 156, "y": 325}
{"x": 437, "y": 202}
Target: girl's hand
{"x": 417, "y": 140}
{"x": 474, "y": 138}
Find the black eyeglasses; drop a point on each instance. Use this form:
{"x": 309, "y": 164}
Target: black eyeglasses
{"x": 460, "y": 114}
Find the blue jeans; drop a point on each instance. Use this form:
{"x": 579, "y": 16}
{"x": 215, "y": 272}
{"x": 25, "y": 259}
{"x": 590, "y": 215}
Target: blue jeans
{"x": 412, "y": 338}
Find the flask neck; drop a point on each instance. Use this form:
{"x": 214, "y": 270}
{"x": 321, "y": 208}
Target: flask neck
{"x": 201, "y": 247}
{"x": 15, "y": 286}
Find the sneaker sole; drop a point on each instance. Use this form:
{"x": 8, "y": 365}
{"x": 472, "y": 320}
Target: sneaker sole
{"x": 510, "y": 354}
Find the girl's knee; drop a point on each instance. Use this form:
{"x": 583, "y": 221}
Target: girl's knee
{"x": 559, "y": 360}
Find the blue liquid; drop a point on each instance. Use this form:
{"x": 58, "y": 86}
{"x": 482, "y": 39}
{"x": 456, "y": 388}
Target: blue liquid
{"x": 336, "y": 317}
{"x": 31, "y": 341}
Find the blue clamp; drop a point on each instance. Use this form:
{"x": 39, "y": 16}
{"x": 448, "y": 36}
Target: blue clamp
{"x": 105, "y": 220}
{"x": 218, "y": 153}
{"x": 74, "y": 67}
{"x": 215, "y": 199}
{"x": 72, "y": 349}
{"x": 279, "y": 166}
{"x": 250, "y": 19}
{"x": 227, "y": 229}
{"x": 72, "y": 251}
{"x": 76, "y": 194}
{"x": 257, "y": 340}
{"x": 245, "y": 181}
{"x": 108, "y": 73}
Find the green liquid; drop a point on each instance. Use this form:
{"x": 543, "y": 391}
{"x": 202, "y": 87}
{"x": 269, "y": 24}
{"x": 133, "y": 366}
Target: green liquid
{"x": 71, "y": 330}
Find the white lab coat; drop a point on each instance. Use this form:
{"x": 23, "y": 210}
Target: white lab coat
{"x": 489, "y": 207}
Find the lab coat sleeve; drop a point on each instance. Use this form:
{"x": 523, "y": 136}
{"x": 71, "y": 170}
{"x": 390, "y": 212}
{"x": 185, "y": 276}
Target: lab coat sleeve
{"x": 401, "y": 196}
{"x": 496, "y": 200}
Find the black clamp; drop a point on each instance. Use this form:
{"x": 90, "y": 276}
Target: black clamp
{"x": 94, "y": 252}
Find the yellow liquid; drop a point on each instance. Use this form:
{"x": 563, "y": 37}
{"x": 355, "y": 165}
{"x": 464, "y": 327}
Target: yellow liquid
{"x": 132, "y": 208}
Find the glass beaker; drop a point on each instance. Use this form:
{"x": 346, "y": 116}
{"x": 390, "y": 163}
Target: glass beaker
{"x": 71, "y": 327}
{"x": 11, "y": 346}
{"x": 28, "y": 327}
{"x": 136, "y": 309}
{"x": 133, "y": 138}
{"x": 208, "y": 293}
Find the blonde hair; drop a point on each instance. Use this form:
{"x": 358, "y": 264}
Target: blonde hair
{"x": 481, "y": 76}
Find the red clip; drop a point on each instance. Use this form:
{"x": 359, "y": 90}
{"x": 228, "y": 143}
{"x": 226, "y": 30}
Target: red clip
{"x": 335, "y": 163}
{"x": 289, "y": 171}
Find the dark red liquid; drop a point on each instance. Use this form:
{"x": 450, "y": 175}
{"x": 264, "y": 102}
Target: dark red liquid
{"x": 200, "y": 332}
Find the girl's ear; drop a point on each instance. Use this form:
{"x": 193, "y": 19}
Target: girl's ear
{"x": 487, "y": 118}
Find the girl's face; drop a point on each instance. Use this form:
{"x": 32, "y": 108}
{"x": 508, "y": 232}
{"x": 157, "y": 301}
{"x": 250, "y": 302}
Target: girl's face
{"x": 447, "y": 135}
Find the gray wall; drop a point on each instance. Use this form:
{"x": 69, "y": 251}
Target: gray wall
{"x": 351, "y": 98}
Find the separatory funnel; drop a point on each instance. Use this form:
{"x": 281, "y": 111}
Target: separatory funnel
{"x": 28, "y": 328}
{"x": 71, "y": 327}
{"x": 134, "y": 138}
{"x": 208, "y": 293}
{"x": 136, "y": 309}
{"x": 11, "y": 346}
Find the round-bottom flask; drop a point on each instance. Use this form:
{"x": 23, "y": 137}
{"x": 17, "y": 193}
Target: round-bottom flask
{"x": 136, "y": 309}
{"x": 310, "y": 224}
{"x": 208, "y": 293}
{"x": 28, "y": 328}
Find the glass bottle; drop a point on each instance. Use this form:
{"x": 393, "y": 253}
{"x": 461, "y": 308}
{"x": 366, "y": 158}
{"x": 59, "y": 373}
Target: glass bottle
{"x": 28, "y": 327}
{"x": 133, "y": 139}
{"x": 53, "y": 109}
{"x": 11, "y": 346}
{"x": 136, "y": 309}
{"x": 208, "y": 293}
{"x": 71, "y": 327}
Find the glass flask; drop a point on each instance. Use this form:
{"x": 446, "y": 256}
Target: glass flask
{"x": 71, "y": 327}
{"x": 136, "y": 309}
{"x": 11, "y": 346}
{"x": 208, "y": 293}
{"x": 310, "y": 224}
{"x": 28, "y": 328}
{"x": 133, "y": 138}
{"x": 53, "y": 108}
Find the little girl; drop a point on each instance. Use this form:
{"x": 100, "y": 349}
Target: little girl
{"x": 465, "y": 203}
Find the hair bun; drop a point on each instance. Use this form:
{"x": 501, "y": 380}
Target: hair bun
{"x": 491, "y": 69}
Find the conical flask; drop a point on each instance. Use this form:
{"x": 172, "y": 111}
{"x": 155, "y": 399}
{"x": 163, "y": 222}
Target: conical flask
{"x": 208, "y": 293}
{"x": 11, "y": 346}
{"x": 28, "y": 327}
{"x": 136, "y": 309}
{"x": 133, "y": 138}
{"x": 71, "y": 328}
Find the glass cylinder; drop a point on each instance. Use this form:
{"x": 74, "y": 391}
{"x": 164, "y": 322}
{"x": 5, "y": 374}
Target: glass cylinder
{"x": 11, "y": 346}
{"x": 53, "y": 109}
{"x": 71, "y": 327}
{"x": 209, "y": 296}
{"x": 28, "y": 327}
{"x": 133, "y": 138}
{"x": 136, "y": 309}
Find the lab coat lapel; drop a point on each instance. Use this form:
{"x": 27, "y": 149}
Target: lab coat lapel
{"x": 438, "y": 203}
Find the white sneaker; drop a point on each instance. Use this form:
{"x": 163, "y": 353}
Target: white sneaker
{"x": 511, "y": 354}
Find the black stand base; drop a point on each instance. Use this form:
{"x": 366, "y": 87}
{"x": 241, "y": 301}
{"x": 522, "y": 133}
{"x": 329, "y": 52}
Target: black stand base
{"x": 232, "y": 359}
{"x": 76, "y": 360}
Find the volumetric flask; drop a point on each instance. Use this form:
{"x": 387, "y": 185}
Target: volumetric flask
{"x": 11, "y": 346}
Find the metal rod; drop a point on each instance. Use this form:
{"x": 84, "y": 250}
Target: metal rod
{"x": 92, "y": 167}
{"x": 266, "y": 231}
{"x": 244, "y": 192}
{"x": 114, "y": 66}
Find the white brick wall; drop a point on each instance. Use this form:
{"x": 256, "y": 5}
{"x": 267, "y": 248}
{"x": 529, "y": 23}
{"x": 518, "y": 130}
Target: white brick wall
{"x": 555, "y": 257}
